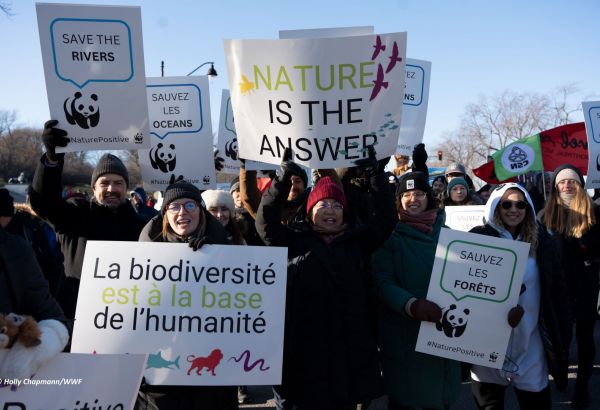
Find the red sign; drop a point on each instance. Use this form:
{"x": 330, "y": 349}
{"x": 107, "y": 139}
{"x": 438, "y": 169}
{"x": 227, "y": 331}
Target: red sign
{"x": 566, "y": 144}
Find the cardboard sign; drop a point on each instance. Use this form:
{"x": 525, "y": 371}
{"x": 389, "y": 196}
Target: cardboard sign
{"x": 180, "y": 126}
{"x": 210, "y": 317}
{"x": 464, "y": 218}
{"x": 476, "y": 280}
{"x": 414, "y": 110}
{"x": 591, "y": 112}
{"x": 95, "y": 77}
{"x": 77, "y": 381}
{"x": 327, "y": 99}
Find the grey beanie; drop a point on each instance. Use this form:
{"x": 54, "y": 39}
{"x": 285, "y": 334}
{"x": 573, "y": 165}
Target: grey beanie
{"x": 180, "y": 189}
{"x": 110, "y": 164}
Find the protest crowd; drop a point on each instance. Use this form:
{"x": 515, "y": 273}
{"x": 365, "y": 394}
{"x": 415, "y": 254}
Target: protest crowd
{"x": 362, "y": 242}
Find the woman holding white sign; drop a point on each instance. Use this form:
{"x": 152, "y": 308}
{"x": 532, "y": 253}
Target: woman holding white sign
{"x": 183, "y": 219}
{"x": 402, "y": 269}
{"x": 540, "y": 322}
{"x": 573, "y": 218}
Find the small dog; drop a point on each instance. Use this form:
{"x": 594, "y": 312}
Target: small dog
{"x": 24, "y": 328}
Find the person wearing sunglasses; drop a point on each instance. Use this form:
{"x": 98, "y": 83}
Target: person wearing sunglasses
{"x": 573, "y": 218}
{"x": 402, "y": 271}
{"x": 183, "y": 219}
{"x": 538, "y": 341}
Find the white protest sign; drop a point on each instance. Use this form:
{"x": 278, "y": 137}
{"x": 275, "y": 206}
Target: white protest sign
{"x": 591, "y": 113}
{"x": 227, "y": 142}
{"x": 463, "y": 218}
{"x": 326, "y": 32}
{"x": 181, "y": 133}
{"x": 77, "y": 381}
{"x": 476, "y": 280}
{"x": 210, "y": 317}
{"x": 95, "y": 78}
{"x": 414, "y": 110}
{"x": 327, "y": 98}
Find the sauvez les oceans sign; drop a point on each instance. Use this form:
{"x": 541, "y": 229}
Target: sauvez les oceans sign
{"x": 326, "y": 98}
{"x": 211, "y": 317}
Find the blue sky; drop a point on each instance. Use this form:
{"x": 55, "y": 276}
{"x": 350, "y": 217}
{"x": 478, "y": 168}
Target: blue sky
{"x": 476, "y": 47}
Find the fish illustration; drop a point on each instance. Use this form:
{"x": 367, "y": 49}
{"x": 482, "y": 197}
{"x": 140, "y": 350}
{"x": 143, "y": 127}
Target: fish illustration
{"x": 246, "y": 85}
{"x": 156, "y": 361}
{"x": 379, "y": 47}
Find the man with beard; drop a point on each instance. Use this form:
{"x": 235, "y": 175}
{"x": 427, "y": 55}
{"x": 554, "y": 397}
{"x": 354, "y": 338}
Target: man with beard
{"x": 108, "y": 216}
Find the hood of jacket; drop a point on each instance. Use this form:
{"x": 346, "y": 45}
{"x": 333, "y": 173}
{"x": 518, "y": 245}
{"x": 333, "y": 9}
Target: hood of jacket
{"x": 494, "y": 200}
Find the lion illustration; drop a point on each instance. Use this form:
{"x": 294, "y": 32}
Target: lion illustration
{"x": 211, "y": 362}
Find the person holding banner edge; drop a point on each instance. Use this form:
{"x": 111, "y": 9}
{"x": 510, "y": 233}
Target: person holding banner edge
{"x": 108, "y": 216}
{"x": 538, "y": 342}
{"x": 183, "y": 219}
{"x": 330, "y": 355}
{"x": 402, "y": 271}
{"x": 573, "y": 219}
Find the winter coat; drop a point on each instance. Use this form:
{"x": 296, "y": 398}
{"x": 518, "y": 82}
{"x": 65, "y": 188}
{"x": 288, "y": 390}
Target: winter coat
{"x": 330, "y": 355}
{"x": 554, "y": 319}
{"x": 23, "y": 288}
{"x": 42, "y": 238}
{"x": 402, "y": 270}
{"x": 75, "y": 222}
{"x": 186, "y": 397}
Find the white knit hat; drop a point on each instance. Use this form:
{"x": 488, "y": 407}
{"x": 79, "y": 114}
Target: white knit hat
{"x": 214, "y": 197}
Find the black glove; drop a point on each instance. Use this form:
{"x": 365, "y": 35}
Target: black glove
{"x": 514, "y": 316}
{"x": 370, "y": 166}
{"x": 196, "y": 242}
{"x": 288, "y": 167}
{"x": 174, "y": 179}
{"x": 419, "y": 156}
{"x": 52, "y": 138}
{"x": 218, "y": 161}
{"x": 425, "y": 311}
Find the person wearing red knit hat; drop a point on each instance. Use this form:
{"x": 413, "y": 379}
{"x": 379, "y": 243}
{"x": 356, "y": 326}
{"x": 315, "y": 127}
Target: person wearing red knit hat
{"x": 328, "y": 324}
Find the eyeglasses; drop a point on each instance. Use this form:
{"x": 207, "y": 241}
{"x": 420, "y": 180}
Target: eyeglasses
{"x": 329, "y": 205}
{"x": 413, "y": 194}
{"x": 518, "y": 204}
{"x": 175, "y": 207}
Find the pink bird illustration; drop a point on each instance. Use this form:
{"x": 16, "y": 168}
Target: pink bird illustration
{"x": 393, "y": 58}
{"x": 379, "y": 47}
{"x": 379, "y": 83}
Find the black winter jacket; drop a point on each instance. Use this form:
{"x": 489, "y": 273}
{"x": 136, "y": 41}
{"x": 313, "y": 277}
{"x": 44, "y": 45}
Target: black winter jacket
{"x": 77, "y": 221}
{"x": 23, "y": 288}
{"x": 554, "y": 319}
{"x": 330, "y": 354}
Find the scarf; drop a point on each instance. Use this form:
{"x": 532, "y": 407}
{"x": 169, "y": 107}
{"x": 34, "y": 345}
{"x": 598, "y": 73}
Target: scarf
{"x": 422, "y": 222}
{"x": 329, "y": 235}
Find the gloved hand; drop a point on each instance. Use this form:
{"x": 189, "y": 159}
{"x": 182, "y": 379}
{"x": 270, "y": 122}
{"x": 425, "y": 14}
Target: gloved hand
{"x": 370, "y": 166}
{"x": 425, "y": 311}
{"x": 288, "y": 167}
{"x": 219, "y": 161}
{"x": 174, "y": 179}
{"x": 419, "y": 156}
{"x": 514, "y": 316}
{"x": 22, "y": 362}
{"x": 52, "y": 138}
{"x": 197, "y": 242}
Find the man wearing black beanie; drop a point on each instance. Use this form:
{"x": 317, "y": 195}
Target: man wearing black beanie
{"x": 108, "y": 216}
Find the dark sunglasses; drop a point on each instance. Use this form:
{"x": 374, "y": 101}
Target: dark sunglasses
{"x": 508, "y": 204}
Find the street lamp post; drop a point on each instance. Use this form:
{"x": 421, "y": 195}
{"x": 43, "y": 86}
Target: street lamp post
{"x": 211, "y": 71}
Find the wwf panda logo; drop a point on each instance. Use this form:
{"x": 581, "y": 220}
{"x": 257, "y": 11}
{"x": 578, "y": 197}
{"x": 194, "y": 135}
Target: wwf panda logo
{"x": 163, "y": 157}
{"x": 454, "y": 321}
{"x": 82, "y": 110}
{"x": 231, "y": 149}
